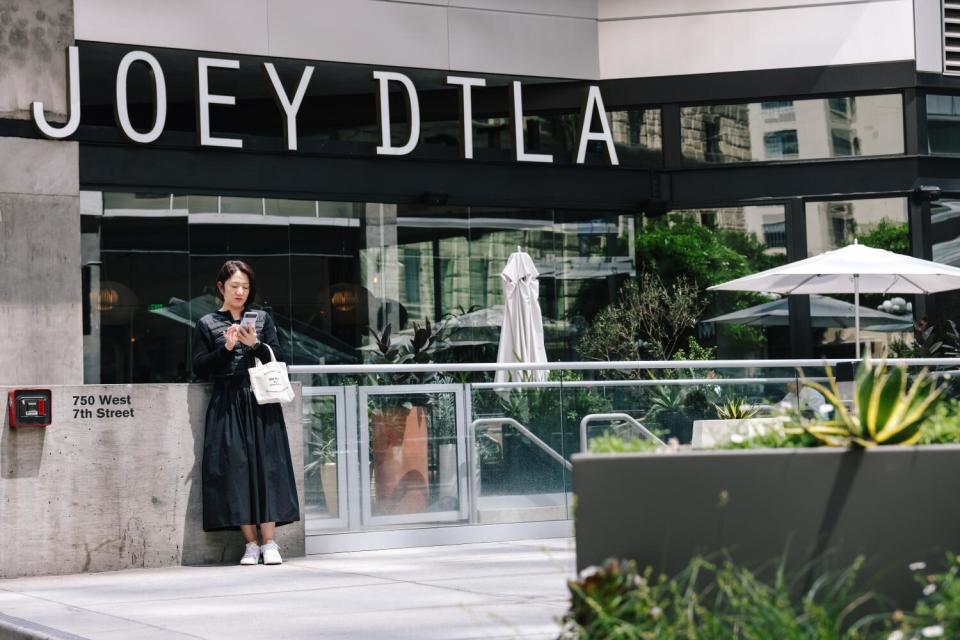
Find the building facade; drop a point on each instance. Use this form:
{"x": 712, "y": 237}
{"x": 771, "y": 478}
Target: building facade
{"x": 377, "y": 161}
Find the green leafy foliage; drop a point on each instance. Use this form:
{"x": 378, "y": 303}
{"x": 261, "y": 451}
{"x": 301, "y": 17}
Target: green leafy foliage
{"x": 694, "y": 351}
{"x": 943, "y": 425}
{"x": 785, "y": 438}
{"x": 937, "y": 613}
{"x": 426, "y": 341}
{"x": 716, "y": 601}
{"x": 677, "y": 248}
{"x": 646, "y": 323}
{"x": 613, "y": 443}
{"x": 889, "y": 235}
{"x": 735, "y": 409}
{"x": 888, "y": 408}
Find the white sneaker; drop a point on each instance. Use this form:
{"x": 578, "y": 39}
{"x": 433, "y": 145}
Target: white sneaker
{"x": 252, "y": 555}
{"x": 271, "y": 553}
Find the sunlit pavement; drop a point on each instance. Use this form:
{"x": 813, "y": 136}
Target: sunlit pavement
{"x": 490, "y": 590}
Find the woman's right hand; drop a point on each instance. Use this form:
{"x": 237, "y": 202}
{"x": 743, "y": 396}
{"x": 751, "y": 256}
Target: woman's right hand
{"x": 231, "y": 334}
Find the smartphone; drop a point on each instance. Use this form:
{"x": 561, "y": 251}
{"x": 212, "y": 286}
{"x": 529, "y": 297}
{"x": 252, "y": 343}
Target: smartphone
{"x": 249, "y": 320}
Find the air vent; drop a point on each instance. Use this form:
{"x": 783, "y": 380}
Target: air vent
{"x": 951, "y": 36}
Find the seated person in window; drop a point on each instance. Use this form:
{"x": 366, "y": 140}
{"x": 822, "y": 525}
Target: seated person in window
{"x": 808, "y": 401}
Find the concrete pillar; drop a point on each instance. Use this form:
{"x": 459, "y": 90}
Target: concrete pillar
{"x": 41, "y": 338}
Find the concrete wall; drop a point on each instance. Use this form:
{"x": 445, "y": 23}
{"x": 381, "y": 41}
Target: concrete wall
{"x": 674, "y": 37}
{"x": 33, "y": 36}
{"x": 553, "y": 38}
{"x": 40, "y": 335}
{"x": 928, "y": 34}
{"x": 107, "y": 494}
{"x": 41, "y": 339}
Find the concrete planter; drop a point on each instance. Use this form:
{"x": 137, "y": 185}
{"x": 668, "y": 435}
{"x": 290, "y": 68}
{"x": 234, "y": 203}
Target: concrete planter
{"x": 893, "y": 505}
{"x": 710, "y": 433}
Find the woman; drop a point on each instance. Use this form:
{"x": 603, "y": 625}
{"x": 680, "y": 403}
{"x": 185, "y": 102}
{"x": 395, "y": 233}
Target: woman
{"x": 248, "y": 476}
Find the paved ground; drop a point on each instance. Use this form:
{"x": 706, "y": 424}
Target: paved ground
{"x": 493, "y": 590}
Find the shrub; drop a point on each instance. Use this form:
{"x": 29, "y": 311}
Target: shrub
{"x": 612, "y": 443}
{"x": 937, "y": 614}
{"x": 710, "y": 601}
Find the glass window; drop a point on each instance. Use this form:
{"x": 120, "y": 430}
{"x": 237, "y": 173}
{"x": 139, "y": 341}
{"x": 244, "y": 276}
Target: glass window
{"x": 330, "y": 271}
{"x": 301, "y": 208}
{"x": 636, "y": 135}
{"x": 780, "y": 145}
{"x": 135, "y": 265}
{"x": 711, "y": 246}
{"x": 793, "y": 129}
{"x": 880, "y": 223}
{"x": 943, "y": 124}
{"x": 241, "y": 205}
{"x": 945, "y": 235}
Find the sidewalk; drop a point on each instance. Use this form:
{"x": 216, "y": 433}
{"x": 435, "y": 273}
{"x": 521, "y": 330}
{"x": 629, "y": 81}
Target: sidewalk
{"x": 492, "y": 590}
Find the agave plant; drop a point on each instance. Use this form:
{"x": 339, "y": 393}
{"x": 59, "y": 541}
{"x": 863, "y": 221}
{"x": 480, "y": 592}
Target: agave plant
{"x": 735, "y": 409}
{"x": 888, "y": 408}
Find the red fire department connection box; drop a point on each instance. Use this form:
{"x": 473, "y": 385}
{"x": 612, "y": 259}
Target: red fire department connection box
{"x": 29, "y": 407}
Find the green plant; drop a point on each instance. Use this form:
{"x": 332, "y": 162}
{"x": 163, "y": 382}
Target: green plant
{"x": 613, "y": 443}
{"x": 787, "y": 437}
{"x": 886, "y": 410}
{"x": 694, "y": 351}
{"x": 735, "y": 409}
{"x": 646, "y": 323}
{"x": 943, "y": 425}
{"x": 717, "y": 601}
{"x": 937, "y": 613}
{"x": 667, "y": 397}
{"x": 419, "y": 349}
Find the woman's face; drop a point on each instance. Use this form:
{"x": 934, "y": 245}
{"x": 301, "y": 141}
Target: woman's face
{"x": 235, "y": 290}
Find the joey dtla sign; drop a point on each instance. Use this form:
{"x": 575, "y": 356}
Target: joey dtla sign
{"x": 289, "y": 107}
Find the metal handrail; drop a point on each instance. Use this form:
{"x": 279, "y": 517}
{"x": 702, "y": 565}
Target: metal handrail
{"x": 653, "y": 382}
{"x": 481, "y": 422}
{"x": 595, "y": 417}
{"x": 474, "y": 463}
{"x": 600, "y": 366}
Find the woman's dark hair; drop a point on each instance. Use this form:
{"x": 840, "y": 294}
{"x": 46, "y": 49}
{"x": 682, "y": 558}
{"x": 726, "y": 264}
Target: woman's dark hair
{"x": 231, "y": 267}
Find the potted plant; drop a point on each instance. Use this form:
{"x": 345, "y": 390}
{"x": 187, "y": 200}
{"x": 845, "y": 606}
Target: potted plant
{"x": 834, "y": 489}
{"x": 320, "y": 444}
{"x": 737, "y": 419}
{"x": 399, "y": 422}
{"x": 443, "y": 429}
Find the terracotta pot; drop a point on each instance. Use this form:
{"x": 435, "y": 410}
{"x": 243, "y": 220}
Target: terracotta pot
{"x": 399, "y": 443}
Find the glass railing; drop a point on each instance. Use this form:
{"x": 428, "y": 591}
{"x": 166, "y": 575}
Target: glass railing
{"x": 400, "y": 446}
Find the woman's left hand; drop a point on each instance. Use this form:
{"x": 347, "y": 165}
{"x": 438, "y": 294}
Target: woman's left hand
{"x": 247, "y": 335}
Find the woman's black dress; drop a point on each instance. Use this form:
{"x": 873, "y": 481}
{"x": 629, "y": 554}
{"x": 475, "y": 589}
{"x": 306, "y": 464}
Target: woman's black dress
{"x": 247, "y": 471}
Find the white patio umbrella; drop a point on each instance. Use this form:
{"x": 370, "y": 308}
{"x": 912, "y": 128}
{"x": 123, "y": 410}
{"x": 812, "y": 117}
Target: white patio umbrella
{"x": 521, "y": 336}
{"x": 853, "y": 269}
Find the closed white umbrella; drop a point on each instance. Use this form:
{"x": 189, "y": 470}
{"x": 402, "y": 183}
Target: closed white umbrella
{"x": 853, "y": 269}
{"x": 521, "y": 336}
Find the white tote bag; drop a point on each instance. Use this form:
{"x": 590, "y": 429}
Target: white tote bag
{"x": 270, "y": 382}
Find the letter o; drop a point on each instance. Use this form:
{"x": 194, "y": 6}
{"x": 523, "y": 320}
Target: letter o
{"x": 160, "y": 105}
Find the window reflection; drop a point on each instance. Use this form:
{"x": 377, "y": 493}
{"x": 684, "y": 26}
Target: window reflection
{"x": 328, "y": 271}
{"x": 945, "y": 235}
{"x": 943, "y": 123}
{"x": 135, "y": 260}
{"x": 875, "y": 222}
{"x": 793, "y": 129}
{"x": 711, "y": 246}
